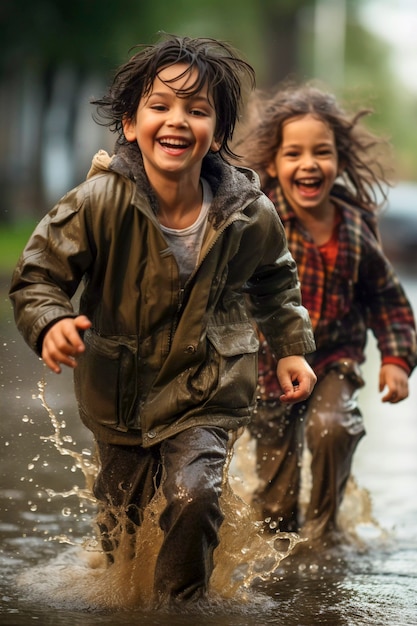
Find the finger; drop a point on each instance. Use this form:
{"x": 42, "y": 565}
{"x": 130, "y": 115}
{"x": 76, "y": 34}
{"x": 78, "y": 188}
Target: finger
{"x": 54, "y": 366}
{"x": 82, "y": 321}
{"x": 56, "y": 351}
{"x": 395, "y": 396}
{"x": 55, "y": 359}
{"x": 66, "y": 340}
{"x": 298, "y": 393}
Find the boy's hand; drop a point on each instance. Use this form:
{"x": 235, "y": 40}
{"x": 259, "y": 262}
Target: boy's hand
{"x": 62, "y": 342}
{"x": 395, "y": 379}
{"x": 296, "y": 379}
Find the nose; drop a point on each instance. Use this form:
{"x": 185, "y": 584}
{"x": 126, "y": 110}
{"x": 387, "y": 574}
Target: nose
{"x": 309, "y": 161}
{"x": 177, "y": 116}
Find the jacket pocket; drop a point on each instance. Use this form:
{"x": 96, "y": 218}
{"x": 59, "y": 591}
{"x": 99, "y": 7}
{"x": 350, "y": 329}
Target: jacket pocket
{"x": 106, "y": 381}
{"x": 237, "y": 348}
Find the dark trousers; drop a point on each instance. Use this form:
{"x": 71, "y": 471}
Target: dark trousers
{"x": 189, "y": 467}
{"x": 331, "y": 426}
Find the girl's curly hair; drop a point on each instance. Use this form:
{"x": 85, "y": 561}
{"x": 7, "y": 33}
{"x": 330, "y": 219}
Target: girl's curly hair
{"x": 217, "y": 63}
{"x": 360, "y": 152}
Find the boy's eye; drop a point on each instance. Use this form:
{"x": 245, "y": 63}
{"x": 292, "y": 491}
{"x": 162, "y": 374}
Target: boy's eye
{"x": 158, "y": 107}
{"x": 198, "y": 112}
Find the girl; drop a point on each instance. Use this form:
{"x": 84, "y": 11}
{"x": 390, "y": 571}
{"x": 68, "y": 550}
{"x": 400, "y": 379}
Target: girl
{"x": 320, "y": 167}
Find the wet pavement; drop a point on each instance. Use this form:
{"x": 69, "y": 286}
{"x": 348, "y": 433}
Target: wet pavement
{"x": 39, "y": 507}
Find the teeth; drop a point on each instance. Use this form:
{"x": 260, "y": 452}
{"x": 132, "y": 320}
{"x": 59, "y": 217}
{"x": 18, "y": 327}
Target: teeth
{"x": 173, "y": 143}
{"x": 308, "y": 182}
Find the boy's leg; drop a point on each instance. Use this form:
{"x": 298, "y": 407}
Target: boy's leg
{"x": 193, "y": 462}
{"x": 278, "y": 433}
{"x": 334, "y": 426}
{"x": 125, "y": 484}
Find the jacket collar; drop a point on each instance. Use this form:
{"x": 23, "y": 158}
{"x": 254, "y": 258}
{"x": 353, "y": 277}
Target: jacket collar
{"x": 233, "y": 187}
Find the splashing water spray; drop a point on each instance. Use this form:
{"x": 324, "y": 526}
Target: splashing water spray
{"x": 82, "y": 578}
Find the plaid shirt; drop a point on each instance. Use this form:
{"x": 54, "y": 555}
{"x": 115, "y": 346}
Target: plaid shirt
{"x": 361, "y": 292}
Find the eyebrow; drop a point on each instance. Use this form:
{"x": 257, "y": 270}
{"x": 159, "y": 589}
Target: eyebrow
{"x": 318, "y": 145}
{"x": 160, "y": 94}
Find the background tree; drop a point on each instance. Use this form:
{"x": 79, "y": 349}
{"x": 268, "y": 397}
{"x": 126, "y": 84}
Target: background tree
{"x": 57, "y": 55}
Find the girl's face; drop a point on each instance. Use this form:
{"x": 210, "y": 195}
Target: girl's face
{"x": 306, "y": 164}
{"x": 173, "y": 132}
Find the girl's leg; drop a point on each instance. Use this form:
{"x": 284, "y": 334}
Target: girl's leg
{"x": 334, "y": 426}
{"x": 278, "y": 433}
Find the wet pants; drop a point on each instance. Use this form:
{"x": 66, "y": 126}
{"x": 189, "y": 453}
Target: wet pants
{"x": 189, "y": 467}
{"x": 331, "y": 425}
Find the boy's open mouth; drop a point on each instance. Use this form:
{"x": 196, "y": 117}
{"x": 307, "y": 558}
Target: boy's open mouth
{"x": 174, "y": 144}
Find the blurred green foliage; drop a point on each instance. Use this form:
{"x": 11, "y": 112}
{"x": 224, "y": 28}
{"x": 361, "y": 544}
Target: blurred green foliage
{"x": 272, "y": 34}
{"x": 13, "y": 238}
{"x": 278, "y": 37}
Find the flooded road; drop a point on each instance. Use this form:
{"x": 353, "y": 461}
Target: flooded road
{"x": 43, "y": 510}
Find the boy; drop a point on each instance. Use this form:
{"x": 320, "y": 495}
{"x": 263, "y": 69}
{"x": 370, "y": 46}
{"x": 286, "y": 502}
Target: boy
{"x": 170, "y": 240}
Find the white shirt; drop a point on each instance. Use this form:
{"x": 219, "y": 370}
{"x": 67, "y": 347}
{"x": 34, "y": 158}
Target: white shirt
{"x": 185, "y": 243}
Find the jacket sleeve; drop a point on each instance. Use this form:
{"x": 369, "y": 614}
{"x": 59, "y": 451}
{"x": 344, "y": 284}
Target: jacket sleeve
{"x": 51, "y": 267}
{"x": 389, "y": 312}
{"x": 274, "y": 289}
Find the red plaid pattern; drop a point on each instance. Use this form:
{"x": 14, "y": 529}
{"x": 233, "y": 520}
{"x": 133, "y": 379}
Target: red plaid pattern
{"x": 362, "y": 292}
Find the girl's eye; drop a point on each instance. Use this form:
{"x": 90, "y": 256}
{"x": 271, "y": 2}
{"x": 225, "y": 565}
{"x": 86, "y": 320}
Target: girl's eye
{"x": 197, "y": 112}
{"x": 158, "y": 107}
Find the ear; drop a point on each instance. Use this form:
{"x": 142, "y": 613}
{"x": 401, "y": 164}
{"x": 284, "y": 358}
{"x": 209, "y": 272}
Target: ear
{"x": 129, "y": 129}
{"x": 271, "y": 170}
{"x": 215, "y": 145}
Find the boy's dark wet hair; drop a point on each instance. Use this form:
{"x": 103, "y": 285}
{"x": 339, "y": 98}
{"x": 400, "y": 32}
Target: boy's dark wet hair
{"x": 360, "y": 152}
{"x": 217, "y": 64}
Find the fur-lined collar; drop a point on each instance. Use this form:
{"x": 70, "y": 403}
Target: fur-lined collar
{"x": 232, "y": 187}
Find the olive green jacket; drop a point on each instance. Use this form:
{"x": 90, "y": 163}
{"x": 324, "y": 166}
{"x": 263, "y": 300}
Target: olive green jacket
{"x": 159, "y": 358}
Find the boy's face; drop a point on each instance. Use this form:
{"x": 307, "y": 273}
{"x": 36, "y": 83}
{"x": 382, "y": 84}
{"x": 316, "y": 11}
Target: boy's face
{"x": 306, "y": 164}
{"x": 173, "y": 133}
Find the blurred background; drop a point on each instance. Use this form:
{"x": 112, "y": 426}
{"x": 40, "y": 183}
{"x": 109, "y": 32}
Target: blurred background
{"x": 57, "y": 55}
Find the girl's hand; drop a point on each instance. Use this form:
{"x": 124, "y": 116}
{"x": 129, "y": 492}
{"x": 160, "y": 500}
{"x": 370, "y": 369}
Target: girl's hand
{"x": 296, "y": 379}
{"x": 394, "y": 379}
{"x": 62, "y": 342}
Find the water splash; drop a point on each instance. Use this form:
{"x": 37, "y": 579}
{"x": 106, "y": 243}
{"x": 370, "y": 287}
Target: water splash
{"x": 87, "y": 465}
{"x": 80, "y": 577}
{"x": 358, "y": 527}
